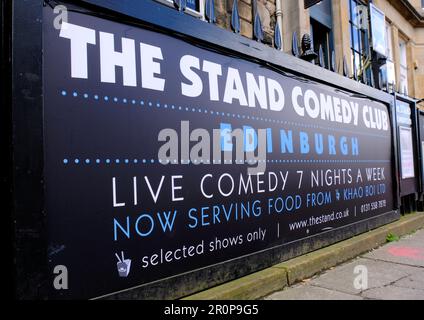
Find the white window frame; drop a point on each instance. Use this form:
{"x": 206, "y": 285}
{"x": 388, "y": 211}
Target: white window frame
{"x": 198, "y": 14}
{"x": 403, "y": 67}
{"x": 389, "y": 43}
{"x": 390, "y": 66}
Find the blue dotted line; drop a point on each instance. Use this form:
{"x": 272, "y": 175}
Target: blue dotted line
{"x": 107, "y": 161}
{"x": 224, "y": 114}
{"x": 97, "y": 161}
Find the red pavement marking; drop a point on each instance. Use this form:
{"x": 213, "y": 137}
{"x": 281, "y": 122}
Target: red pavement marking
{"x": 407, "y": 252}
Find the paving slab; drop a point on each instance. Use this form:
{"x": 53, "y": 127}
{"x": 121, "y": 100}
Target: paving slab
{"x": 408, "y": 251}
{"x": 414, "y": 281}
{"x": 380, "y": 273}
{"x": 417, "y": 237}
{"x": 394, "y": 271}
{"x": 394, "y": 293}
{"x": 310, "y": 292}
{"x": 262, "y": 283}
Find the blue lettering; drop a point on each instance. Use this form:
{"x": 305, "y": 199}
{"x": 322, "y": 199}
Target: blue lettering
{"x": 331, "y": 145}
{"x": 304, "y": 144}
{"x": 355, "y": 147}
{"x": 226, "y": 137}
{"x": 167, "y": 225}
{"x": 125, "y": 231}
{"x": 250, "y": 139}
{"x": 152, "y": 224}
{"x": 269, "y": 140}
{"x": 286, "y": 141}
{"x": 194, "y": 225}
{"x": 343, "y": 146}
{"x": 319, "y": 143}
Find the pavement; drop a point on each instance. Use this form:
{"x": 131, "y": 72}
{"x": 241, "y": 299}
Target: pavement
{"x": 394, "y": 271}
{"x": 288, "y": 273}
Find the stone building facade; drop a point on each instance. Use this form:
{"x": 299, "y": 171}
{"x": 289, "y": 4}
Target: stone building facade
{"x": 329, "y": 22}
{"x": 247, "y": 9}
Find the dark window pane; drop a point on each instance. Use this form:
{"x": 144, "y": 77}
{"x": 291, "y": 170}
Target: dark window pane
{"x": 362, "y": 42}
{"x": 355, "y": 38}
{"x": 353, "y": 10}
{"x": 320, "y": 38}
{"x": 368, "y": 75}
{"x": 358, "y": 61}
{"x": 365, "y": 43}
{"x": 359, "y": 41}
{"x": 193, "y": 4}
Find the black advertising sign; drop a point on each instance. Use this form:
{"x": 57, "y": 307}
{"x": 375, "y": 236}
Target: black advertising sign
{"x": 162, "y": 157}
{"x": 404, "y": 121}
{"x": 407, "y": 149}
{"x": 421, "y": 142}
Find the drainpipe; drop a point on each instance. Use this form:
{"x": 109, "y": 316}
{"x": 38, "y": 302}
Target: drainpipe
{"x": 279, "y": 14}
